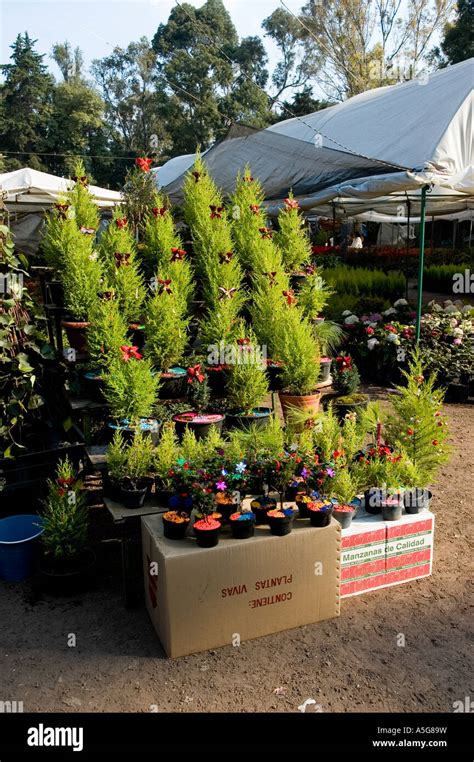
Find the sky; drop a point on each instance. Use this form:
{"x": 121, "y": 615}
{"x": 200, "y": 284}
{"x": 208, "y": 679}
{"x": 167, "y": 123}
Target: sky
{"x": 97, "y": 27}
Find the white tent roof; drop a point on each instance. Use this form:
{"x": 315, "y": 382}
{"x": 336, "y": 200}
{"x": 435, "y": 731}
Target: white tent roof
{"x": 391, "y": 140}
{"x": 29, "y": 190}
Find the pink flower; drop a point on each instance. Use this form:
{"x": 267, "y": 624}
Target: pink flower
{"x": 457, "y": 341}
{"x": 369, "y": 330}
{"x": 221, "y": 485}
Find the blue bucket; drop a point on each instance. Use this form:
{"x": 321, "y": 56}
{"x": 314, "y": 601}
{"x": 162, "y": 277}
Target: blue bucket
{"x": 17, "y": 544}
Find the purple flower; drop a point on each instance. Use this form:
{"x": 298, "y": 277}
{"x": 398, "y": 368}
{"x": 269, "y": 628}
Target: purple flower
{"x": 330, "y": 472}
{"x": 304, "y": 472}
{"x": 221, "y": 485}
{"x": 375, "y": 317}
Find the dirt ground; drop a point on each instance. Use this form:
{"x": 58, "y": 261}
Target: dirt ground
{"x": 349, "y": 664}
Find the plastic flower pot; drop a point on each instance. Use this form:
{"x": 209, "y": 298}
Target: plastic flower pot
{"x": 133, "y": 495}
{"x": 207, "y": 532}
{"x": 343, "y": 514}
{"x": 325, "y": 365}
{"x": 355, "y": 403}
{"x": 175, "y": 524}
{"x": 416, "y": 500}
{"x": 260, "y": 507}
{"x": 320, "y": 513}
{"x": 259, "y": 418}
{"x": 76, "y": 334}
{"x": 392, "y": 509}
{"x": 225, "y": 505}
{"x": 302, "y": 503}
{"x": 173, "y": 383}
{"x": 68, "y": 576}
{"x": 373, "y": 500}
{"x": 217, "y": 377}
{"x": 242, "y": 525}
{"x": 110, "y": 487}
{"x": 93, "y": 385}
{"x": 18, "y": 535}
{"x": 280, "y": 521}
{"x": 200, "y": 423}
{"x": 163, "y": 496}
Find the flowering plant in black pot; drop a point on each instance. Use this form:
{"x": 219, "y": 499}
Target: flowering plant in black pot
{"x": 346, "y": 381}
{"x": 175, "y": 524}
{"x": 242, "y": 524}
{"x": 208, "y": 524}
{"x": 319, "y": 512}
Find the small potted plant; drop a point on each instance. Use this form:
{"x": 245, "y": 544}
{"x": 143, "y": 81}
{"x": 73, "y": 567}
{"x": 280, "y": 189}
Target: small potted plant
{"x": 67, "y": 564}
{"x": 319, "y": 512}
{"x": 208, "y": 525}
{"x": 197, "y": 419}
{"x": 164, "y": 461}
{"x": 346, "y": 381}
{"x": 392, "y": 506}
{"x": 260, "y": 507}
{"x": 344, "y": 490}
{"x": 247, "y": 386}
{"x": 280, "y": 521}
{"x": 329, "y": 335}
{"x": 130, "y": 466}
{"x": 175, "y": 524}
{"x": 242, "y": 524}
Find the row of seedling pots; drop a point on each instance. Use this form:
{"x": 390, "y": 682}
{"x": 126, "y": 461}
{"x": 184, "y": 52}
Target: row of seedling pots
{"x": 391, "y": 506}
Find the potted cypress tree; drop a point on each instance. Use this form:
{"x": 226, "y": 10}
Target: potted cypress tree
{"x": 299, "y": 353}
{"x": 131, "y": 388}
{"x": 344, "y": 489}
{"x": 67, "y": 563}
{"x": 164, "y": 460}
{"x": 293, "y": 240}
{"x": 105, "y": 335}
{"x": 247, "y": 386}
{"x": 197, "y": 419}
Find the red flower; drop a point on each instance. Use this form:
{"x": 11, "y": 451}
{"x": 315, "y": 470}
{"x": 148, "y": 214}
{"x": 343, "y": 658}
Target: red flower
{"x": 248, "y": 179}
{"x": 144, "y": 164}
{"x": 337, "y": 453}
{"x": 164, "y": 286}
{"x": 265, "y": 232}
{"x": 159, "y": 211}
{"x": 195, "y": 372}
{"x": 196, "y": 176}
{"x": 225, "y": 257}
{"x": 255, "y": 208}
{"x": 66, "y": 482}
{"x": 369, "y": 330}
{"x": 410, "y": 432}
{"x": 435, "y": 442}
{"x": 128, "y": 352}
{"x": 243, "y": 342}
{"x": 177, "y": 254}
{"x": 344, "y": 362}
{"x": 186, "y": 466}
{"x": 121, "y": 222}
{"x": 389, "y": 327}
{"x": 291, "y": 203}
{"x": 122, "y": 258}
{"x": 61, "y": 492}
{"x": 216, "y": 211}
{"x": 290, "y": 296}
{"x": 271, "y": 277}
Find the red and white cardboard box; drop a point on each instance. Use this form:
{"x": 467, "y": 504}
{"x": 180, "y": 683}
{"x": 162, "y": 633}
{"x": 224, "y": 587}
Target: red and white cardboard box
{"x": 377, "y": 553}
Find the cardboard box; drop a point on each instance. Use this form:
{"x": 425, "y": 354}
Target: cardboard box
{"x": 377, "y": 553}
{"x": 201, "y": 598}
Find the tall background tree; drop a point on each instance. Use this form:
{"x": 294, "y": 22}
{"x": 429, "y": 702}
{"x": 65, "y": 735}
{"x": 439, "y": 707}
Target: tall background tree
{"x": 25, "y": 105}
{"x": 458, "y": 41}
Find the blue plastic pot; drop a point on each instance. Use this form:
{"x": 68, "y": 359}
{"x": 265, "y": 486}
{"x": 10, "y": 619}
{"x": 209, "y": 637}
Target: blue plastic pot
{"x": 17, "y": 544}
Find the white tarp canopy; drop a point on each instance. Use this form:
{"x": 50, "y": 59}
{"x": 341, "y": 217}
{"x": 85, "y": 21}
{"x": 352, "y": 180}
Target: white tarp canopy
{"x": 364, "y": 153}
{"x": 29, "y": 190}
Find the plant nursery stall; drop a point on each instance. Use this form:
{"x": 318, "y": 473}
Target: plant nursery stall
{"x": 191, "y": 362}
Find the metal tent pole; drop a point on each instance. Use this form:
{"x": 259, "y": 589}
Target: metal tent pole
{"x": 421, "y": 261}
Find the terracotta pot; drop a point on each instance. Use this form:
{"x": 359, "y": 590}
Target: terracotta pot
{"x": 309, "y": 402}
{"x": 76, "y": 334}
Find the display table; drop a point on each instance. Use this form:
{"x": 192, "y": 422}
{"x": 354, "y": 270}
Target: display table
{"x": 201, "y": 598}
{"x": 128, "y": 522}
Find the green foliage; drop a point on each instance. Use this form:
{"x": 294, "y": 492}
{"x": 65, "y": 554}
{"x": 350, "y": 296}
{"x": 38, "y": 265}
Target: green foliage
{"x": 297, "y": 349}
{"x": 268, "y": 312}
{"x": 106, "y": 333}
{"x": 21, "y": 349}
{"x": 138, "y": 192}
{"x": 313, "y": 296}
{"x": 255, "y": 442}
{"x": 131, "y": 461}
{"x": 326, "y": 434}
{"x": 441, "y": 278}
{"x": 64, "y": 515}
{"x": 166, "y": 328}
{"x": 122, "y": 272}
{"x": 362, "y": 281}
{"x": 344, "y": 486}
{"x": 86, "y": 213}
{"x": 458, "y": 44}
{"x": 417, "y": 427}
{"x": 130, "y": 388}
{"x": 199, "y": 394}
{"x": 166, "y": 454}
{"x": 329, "y": 336}
{"x": 248, "y": 383}
{"x": 81, "y": 277}
{"x": 292, "y": 237}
